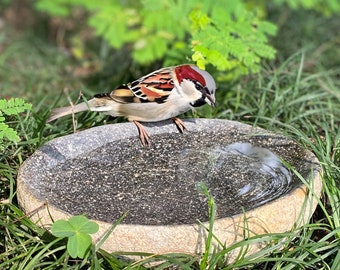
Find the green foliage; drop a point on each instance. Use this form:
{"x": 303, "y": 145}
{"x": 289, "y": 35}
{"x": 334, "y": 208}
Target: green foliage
{"x": 223, "y": 33}
{"x": 77, "y": 229}
{"x": 54, "y": 8}
{"x": 13, "y": 106}
{"x": 230, "y": 38}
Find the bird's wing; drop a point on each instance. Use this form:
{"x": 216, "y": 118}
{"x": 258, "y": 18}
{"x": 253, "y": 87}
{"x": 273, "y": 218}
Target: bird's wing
{"x": 154, "y": 87}
{"x": 122, "y": 94}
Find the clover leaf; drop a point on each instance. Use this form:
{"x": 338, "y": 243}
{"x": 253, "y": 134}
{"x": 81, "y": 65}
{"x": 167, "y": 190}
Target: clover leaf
{"x": 77, "y": 229}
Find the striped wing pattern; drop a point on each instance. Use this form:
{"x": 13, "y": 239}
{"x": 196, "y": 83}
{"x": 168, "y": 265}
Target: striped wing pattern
{"x": 154, "y": 87}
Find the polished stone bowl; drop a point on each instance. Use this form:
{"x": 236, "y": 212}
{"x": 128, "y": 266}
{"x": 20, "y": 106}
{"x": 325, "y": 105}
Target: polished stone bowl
{"x": 104, "y": 172}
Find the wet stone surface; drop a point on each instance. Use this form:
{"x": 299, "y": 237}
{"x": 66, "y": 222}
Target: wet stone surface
{"x": 161, "y": 185}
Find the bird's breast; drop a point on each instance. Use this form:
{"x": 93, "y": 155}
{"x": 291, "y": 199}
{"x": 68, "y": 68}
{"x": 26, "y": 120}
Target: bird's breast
{"x": 153, "y": 112}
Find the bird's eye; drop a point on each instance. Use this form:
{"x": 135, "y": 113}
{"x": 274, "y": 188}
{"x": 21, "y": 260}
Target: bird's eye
{"x": 198, "y": 86}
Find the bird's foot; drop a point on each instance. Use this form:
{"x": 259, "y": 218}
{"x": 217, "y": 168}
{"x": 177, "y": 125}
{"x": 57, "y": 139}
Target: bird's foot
{"x": 143, "y": 135}
{"x": 179, "y": 124}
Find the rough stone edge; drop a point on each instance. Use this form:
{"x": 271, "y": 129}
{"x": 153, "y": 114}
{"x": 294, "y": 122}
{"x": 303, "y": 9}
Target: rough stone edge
{"x": 191, "y": 238}
{"x": 128, "y": 130}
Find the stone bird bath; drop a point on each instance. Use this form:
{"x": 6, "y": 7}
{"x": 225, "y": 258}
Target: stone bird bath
{"x": 103, "y": 172}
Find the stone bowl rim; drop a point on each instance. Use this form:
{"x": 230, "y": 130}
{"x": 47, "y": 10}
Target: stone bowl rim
{"x": 297, "y": 193}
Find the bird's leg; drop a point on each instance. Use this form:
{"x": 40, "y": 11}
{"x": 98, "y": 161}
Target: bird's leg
{"x": 179, "y": 124}
{"x": 143, "y": 135}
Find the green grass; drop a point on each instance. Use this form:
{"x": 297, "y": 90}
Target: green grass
{"x": 297, "y": 95}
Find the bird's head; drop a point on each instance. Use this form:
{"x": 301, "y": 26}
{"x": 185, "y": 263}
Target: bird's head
{"x": 198, "y": 85}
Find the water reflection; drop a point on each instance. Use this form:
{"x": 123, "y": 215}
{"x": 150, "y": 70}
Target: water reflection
{"x": 240, "y": 176}
{"x": 260, "y": 162}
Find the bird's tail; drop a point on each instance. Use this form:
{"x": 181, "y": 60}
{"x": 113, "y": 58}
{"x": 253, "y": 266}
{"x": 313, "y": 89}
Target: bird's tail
{"x": 60, "y": 112}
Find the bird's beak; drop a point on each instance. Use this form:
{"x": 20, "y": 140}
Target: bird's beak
{"x": 211, "y": 100}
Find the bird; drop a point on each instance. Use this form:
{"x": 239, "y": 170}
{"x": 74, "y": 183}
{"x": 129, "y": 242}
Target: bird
{"x": 160, "y": 95}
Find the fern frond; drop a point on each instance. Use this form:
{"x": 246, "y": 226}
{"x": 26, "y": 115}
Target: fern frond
{"x": 14, "y": 106}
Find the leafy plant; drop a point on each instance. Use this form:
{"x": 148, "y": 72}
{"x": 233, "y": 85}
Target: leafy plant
{"x": 77, "y": 229}
{"x": 13, "y": 106}
{"x": 227, "y": 35}
{"x": 232, "y": 38}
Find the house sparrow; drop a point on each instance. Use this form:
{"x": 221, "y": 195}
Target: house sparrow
{"x": 160, "y": 95}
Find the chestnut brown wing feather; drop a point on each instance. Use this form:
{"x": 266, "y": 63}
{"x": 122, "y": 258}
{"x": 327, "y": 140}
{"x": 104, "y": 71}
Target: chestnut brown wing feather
{"x": 154, "y": 87}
